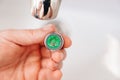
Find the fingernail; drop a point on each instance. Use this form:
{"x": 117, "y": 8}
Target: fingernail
{"x": 62, "y": 56}
{"x": 48, "y": 27}
{"x": 58, "y": 57}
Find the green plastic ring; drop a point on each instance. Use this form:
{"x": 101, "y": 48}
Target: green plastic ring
{"x": 54, "y": 41}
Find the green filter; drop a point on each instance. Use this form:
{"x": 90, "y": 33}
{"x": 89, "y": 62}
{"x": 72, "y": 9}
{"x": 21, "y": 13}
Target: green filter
{"x": 54, "y": 41}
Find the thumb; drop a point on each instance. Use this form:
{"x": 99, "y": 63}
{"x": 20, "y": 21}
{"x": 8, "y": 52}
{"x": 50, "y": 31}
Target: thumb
{"x": 27, "y": 37}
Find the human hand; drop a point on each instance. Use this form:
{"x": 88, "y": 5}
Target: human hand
{"x": 24, "y": 57}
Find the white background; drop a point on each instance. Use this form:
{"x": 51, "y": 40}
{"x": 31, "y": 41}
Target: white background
{"x": 94, "y": 27}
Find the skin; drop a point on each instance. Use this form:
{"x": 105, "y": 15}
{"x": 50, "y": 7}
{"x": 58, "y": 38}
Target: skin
{"x": 24, "y": 57}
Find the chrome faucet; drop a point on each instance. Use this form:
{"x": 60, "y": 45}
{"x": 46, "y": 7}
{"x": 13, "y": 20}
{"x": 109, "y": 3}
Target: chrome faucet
{"x": 45, "y": 9}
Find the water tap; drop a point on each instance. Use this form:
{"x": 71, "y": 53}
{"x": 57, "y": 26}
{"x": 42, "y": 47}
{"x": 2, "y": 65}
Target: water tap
{"x": 45, "y": 9}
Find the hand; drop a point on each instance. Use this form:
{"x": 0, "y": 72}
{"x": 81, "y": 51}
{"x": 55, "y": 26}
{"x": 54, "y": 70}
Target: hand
{"x": 24, "y": 57}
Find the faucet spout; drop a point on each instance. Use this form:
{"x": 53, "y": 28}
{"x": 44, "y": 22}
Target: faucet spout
{"x": 45, "y": 9}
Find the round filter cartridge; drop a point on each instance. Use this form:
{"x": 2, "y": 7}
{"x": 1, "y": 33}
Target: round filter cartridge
{"x": 54, "y": 41}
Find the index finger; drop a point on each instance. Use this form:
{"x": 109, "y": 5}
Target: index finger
{"x": 67, "y": 41}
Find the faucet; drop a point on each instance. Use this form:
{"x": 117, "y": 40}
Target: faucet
{"x": 45, "y": 9}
